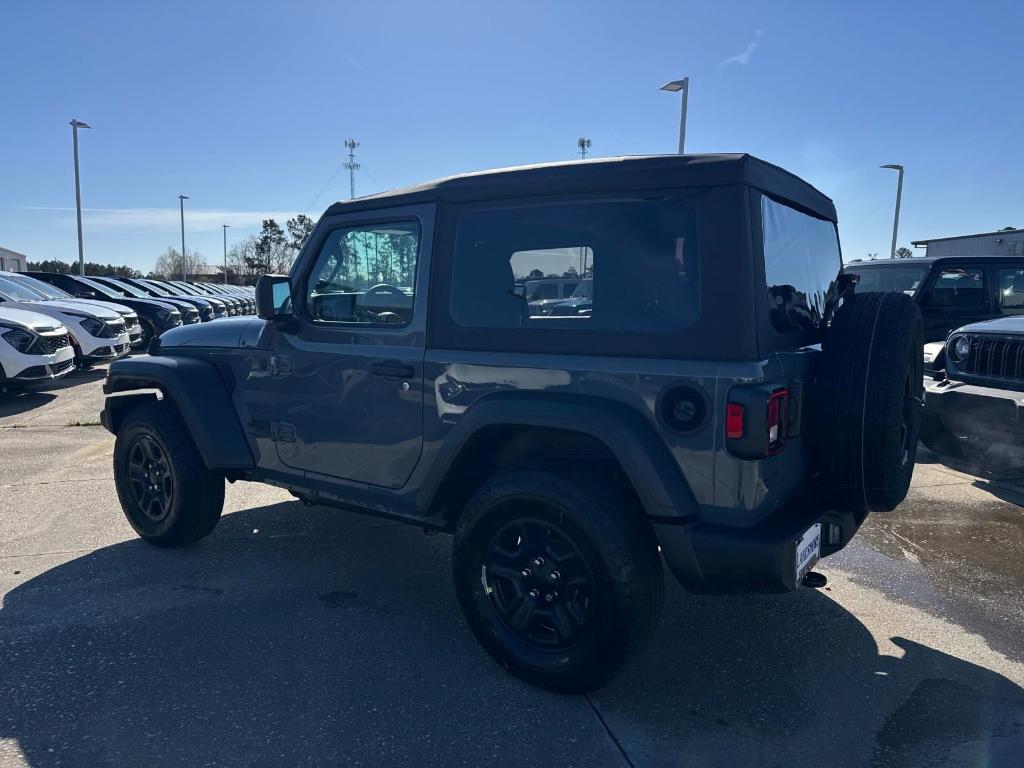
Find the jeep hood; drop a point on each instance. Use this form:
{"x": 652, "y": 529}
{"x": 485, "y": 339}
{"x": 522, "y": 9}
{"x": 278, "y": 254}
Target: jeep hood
{"x": 1003, "y": 325}
{"x": 228, "y": 332}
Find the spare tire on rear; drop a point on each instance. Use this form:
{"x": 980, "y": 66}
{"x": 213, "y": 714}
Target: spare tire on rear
{"x": 869, "y": 398}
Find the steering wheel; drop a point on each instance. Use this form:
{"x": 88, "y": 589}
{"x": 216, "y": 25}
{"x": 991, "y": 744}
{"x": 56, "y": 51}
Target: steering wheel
{"x": 380, "y": 288}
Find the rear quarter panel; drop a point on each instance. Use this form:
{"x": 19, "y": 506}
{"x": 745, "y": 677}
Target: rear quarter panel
{"x": 727, "y": 490}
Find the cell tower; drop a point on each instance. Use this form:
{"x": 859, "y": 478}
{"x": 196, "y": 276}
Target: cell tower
{"x": 352, "y": 165}
{"x": 584, "y": 145}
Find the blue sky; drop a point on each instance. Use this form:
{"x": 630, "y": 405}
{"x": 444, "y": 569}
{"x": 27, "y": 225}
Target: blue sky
{"x": 245, "y": 106}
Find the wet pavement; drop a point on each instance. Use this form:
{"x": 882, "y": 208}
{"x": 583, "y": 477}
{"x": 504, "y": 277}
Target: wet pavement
{"x": 955, "y": 548}
{"x": 305, "y": 636}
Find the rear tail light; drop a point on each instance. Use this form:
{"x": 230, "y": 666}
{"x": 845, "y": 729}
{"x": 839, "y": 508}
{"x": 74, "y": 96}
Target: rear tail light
{"x": 734, "y": 421}
{"x": 757, "y": 420}
{"x": 776, "y": 424}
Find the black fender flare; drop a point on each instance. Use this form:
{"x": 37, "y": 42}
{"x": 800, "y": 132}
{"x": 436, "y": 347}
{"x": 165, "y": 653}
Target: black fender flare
{"x": 650, "y": 467}
{"x": 197, "y": 390}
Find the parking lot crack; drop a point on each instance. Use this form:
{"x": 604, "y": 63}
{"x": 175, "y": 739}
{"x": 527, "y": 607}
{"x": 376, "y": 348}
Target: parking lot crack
{"x": 611, "y": 735}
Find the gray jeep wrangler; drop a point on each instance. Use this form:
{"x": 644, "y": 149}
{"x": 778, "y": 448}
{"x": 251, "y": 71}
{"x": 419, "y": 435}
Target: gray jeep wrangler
{"x": 726, "y": 402}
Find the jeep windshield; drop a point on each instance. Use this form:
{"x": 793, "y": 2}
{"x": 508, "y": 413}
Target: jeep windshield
{"x": 903, "y": 278}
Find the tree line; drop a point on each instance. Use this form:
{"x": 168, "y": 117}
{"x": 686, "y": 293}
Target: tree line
{"x": 272, "y": 250}
{"x": 91, "y": 268}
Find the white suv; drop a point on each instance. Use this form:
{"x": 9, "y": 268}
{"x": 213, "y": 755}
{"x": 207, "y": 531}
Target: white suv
{"x": 47, "y": 291}
{"x": 33, "y": 348}
{"x": 97, "y": 333}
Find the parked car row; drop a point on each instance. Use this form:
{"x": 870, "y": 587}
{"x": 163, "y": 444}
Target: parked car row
{"x": 99, "y": 318}
{"x": 577, "y": 302}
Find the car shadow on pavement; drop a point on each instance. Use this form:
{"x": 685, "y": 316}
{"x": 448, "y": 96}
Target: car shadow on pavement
{"x": 1008, "y": 490}
{"x": 22, "y": 401}
{"x": 77, "y": 378}
{"x": 297, "y": 635}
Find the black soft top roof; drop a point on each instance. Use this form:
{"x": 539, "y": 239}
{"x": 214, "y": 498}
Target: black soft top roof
{"x": 607, "y": 174}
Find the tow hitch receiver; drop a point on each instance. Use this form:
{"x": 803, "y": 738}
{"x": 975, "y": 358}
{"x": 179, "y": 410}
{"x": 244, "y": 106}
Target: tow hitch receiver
{"x": 814, "y": 580}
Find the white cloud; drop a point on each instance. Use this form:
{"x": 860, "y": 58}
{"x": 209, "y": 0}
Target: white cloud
{"x": 744, "y": 56}
{"x": 168, "y": 219}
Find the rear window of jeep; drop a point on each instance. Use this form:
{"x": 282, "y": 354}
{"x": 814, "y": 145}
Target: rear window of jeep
{"x": 635, "y": 261}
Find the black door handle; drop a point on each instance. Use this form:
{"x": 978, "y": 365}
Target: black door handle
{"x": 389, "y": 369}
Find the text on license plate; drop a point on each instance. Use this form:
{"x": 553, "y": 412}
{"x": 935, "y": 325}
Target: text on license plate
{"x": 808, "y": 550}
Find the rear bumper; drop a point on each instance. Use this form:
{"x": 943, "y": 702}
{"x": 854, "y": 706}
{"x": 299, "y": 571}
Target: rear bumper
{"x": 710, "y": 558}
{"x": 974, "y": 414}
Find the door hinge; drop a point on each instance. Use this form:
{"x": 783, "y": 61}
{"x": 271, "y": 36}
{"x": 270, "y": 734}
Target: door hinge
{"x": 282, "y": 432}
{"x": 280, "y": 365}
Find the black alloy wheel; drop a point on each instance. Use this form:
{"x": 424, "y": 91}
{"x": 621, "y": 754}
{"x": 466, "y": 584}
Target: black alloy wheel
{"x": 150, "y": 479}
{"x": 168, "y": 494}
{"x": 558, "y": 575}
{"x": 539, "y": 583}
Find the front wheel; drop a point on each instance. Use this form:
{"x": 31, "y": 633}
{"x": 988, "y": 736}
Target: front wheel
{"x": 166, "y": 491}
{"x": 558, "y": 576}
{"x": 148, "y": 334}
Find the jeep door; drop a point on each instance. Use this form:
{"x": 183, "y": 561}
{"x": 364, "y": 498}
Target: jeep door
{"x": 349, "y": 367}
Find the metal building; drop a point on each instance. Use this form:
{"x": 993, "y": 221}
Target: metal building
{"x": 1004, "y": 242}
{"x": 12, "y": 261}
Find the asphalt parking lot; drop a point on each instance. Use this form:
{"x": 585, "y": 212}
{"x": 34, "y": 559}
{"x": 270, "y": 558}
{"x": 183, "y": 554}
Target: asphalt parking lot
{"x": 295, "y": 636}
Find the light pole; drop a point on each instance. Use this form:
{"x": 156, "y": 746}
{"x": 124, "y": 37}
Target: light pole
{"x": 184, "y": 265}
{"x": 584, "y": 144}
{"x": 225, "y": 228}
{"x": 896, "y": 217}
{"x": 75, "y": 125}
{"x": 674, "y": 87}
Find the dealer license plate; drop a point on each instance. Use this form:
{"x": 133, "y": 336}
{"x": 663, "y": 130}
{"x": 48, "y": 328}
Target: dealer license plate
{"x": 808, "y": 550}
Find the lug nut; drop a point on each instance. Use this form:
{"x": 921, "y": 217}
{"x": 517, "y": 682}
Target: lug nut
{"x": 534, "y": 594}
{"x": 526, "y": 573}
{"x": 554, "y": 575}
{"x": 538, "y": 561}
{"x": 549, "y": 597}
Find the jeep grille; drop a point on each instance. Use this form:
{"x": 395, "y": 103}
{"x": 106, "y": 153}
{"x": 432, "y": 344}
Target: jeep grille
{"x": 995, "y": 358}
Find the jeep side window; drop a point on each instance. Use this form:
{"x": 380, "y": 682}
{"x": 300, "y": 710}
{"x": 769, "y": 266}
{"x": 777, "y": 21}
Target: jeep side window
{"x": 638, "y": 259}
{"x": 365, "y": 274}
{"x": 544, "y": 291}
{"x": 801, "y": 263}
{"x": 959, "y": 288}
{"x": 1011, "y": 291}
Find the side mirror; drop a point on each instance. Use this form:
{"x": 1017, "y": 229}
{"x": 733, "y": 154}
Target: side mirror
{"x": 273, "y": 297}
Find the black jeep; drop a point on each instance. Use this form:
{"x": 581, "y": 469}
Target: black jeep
{"x": 729, "y": 403}
{"x": 974, "y": 413}
{"x": 950, "y": 290}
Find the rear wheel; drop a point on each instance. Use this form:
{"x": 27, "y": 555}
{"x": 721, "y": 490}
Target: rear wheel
{"x": 166, "y": 491}
{"x": 559, "y": 577}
